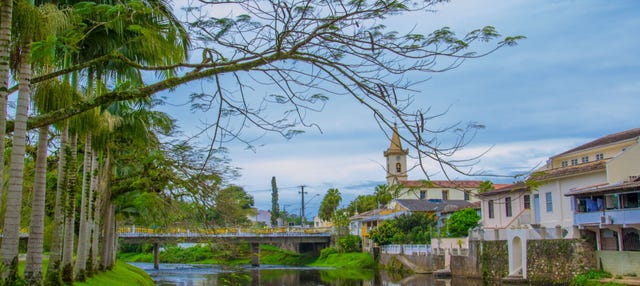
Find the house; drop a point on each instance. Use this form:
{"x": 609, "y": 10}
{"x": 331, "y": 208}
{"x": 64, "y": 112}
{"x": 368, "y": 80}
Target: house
{"x": 260, "y": 217}
{"x": 397, "y": 168}
{"x": 586, "y": 192}
{"x": 361, "y": 224}
{"x": 506, "y": 206}
{"x": 607, "y": 160}
{"x": 610, "y": 214}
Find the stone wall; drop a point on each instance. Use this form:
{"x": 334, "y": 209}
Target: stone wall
{"x": 494, "y": 260}
{"x": 467, "y": 266}
{"x": 557, "y": 261}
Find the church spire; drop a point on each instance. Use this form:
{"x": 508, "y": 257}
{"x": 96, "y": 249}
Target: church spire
{"x": 396, "y": 144}
{"x": 396, "y": 160}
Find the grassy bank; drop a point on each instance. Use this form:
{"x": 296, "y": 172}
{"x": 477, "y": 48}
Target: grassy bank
{"x": 206, "y": 255}
{"x": 352, "y": 260}
{"x": 268, "y": 255}
{"x": 121, "y": 274}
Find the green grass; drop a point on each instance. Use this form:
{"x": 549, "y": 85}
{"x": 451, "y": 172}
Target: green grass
{"x": 352, "y": 260}
{"x": 273, "y": 255}
{"x": 592, "y": 278}
{"x": 121, "y": 274}
{"x": 203, "y": 255}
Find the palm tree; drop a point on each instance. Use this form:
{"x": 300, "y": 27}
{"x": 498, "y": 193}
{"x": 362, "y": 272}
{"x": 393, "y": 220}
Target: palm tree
{"x": 24, "y": 24}
{"x": 6, "y": 8}
{"x": 33, "y": 267}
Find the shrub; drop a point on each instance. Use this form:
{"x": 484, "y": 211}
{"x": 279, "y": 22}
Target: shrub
{"x": 350, "y": 243}
{"x": 326, "y": 252}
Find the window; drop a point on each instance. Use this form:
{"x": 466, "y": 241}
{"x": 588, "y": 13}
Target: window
{"x": 599, "y": 156}
{"x": 398, "y": 167}
{"x": 574, "y": 162}
{"x": 466, "y": 196}
{"x": 565, "y": 163}
{"x": 423, "y": 195}
{"x": 549, "y": 201}
{"x": 527, "y": 202}
{"x": 585, "y": 159}
{"x": 507, "y": 204}
{"x": 491, "y": 214}
{"x": 445, "y": 195}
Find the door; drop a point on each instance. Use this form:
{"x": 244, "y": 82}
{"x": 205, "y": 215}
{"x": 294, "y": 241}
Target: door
{"x": 536, "y": 208}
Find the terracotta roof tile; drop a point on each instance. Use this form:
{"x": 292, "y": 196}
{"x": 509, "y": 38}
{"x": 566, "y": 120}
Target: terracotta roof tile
{"x": 455, "y": 184}
{"x": 570, "y": 171}
{"x": 504, "y": 188}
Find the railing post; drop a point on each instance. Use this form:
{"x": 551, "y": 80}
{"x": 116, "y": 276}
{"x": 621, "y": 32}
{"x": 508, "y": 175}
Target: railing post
{"x": 156, "y": 260}
{"x": 255, "y": 254}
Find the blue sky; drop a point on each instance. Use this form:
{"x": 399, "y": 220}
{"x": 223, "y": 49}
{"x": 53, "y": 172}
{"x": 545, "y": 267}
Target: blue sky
{"x": 575, "y": 78}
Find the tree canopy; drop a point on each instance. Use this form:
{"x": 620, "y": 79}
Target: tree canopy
{"x": 306, "y": 52}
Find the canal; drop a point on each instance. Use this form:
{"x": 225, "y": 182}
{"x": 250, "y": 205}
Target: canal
{"x": 273, "y": 275}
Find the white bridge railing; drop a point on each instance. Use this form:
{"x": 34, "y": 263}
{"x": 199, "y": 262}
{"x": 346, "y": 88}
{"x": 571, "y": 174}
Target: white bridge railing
{"x": 132, "y": 232}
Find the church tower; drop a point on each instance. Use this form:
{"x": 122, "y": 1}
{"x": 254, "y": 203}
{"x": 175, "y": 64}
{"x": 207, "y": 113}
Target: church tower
{"x": 396, "y": 160}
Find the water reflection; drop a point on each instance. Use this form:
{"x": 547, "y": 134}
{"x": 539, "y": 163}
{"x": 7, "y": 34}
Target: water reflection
{"x": 270, "y": 275}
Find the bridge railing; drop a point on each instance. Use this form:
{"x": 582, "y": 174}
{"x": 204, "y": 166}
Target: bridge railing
{"x": 237, "y": 231}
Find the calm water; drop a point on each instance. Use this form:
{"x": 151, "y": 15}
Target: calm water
{"x": 272, "y": 275}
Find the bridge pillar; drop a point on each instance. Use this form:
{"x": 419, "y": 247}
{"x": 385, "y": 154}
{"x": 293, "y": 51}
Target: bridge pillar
{"x": 255, "y": 253}
{"x": 156, "y": 260}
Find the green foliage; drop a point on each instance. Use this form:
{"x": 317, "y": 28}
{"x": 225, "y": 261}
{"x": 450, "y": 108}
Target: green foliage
{"x": 329, "y": 204}
{"x": 352, "y": 260}
{"x": 592, "y": 278}
{"x": 350, "y": 243}
{"x": 122, "y": 274}
{"x": 461, "y": 221}
{"x": 272, "y": 255}
{"x": 275, "y": 207}
{"x": 324, "y": 253}
{"x": 485, "y": 186}
{"x": 362, "y": 203}
{"x": 383, "y": 194}
{"x": 407, "y": 228}
{"x": 341, "y": 222}
{"x": 384, "y": 233}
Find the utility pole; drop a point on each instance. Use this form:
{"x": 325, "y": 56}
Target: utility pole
{"x": 302, "y": 218}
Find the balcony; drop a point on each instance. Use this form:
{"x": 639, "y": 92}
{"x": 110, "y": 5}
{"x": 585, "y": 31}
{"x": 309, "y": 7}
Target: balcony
{"x": 614, "y": 216}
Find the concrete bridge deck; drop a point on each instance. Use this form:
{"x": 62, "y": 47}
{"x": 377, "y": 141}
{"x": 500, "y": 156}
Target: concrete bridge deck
{"x": 297, "y": 239}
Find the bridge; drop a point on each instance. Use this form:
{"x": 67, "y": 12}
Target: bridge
{"x": 291, "y": 238}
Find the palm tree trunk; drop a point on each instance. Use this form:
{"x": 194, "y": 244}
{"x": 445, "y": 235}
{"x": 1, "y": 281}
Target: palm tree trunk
{"x": 11, "y": 231}
{"x": 83, "y": 232}
{"x": 104, "y": 195}
{"x": 91, "y": 218}
{"x": 6, "y": 9}
{"x": 55, "y": 254}
{"x": 106, "y": 259}
{"x": 33, "y": 267}
{"x": 70, "y": 210}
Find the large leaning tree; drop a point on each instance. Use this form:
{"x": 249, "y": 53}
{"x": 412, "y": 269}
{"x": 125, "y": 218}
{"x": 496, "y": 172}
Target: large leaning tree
{"x": 304, "y": 53}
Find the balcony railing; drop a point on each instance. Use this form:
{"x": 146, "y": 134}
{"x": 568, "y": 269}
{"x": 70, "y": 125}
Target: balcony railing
{"x": 615, "y": 216}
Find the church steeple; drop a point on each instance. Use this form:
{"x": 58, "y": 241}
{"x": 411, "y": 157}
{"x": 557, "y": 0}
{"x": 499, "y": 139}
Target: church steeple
{"x": 396, "y": 160}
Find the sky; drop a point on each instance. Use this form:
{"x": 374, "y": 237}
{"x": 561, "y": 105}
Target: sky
{"x": 575, "y": 78}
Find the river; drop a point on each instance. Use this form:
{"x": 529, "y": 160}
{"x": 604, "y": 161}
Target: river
{"x": 273, "y": 275}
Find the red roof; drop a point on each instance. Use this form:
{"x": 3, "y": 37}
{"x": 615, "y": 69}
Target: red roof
{"x": 455, "y": 184}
